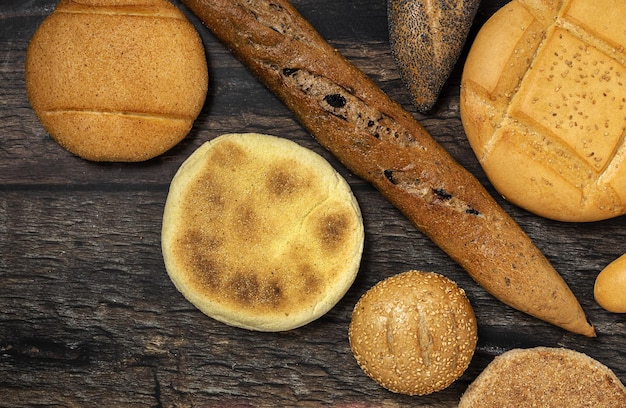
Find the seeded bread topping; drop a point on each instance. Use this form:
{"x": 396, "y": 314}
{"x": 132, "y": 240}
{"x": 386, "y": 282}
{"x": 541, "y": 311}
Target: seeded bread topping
{"x": 544, "y": 93}
{"x": 414, "y": 333}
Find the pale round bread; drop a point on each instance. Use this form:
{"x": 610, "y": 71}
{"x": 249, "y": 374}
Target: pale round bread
{"x": 261, "y": 233}
{"x": 116, "y": 80}
{"x": 414, "y": 333}
{"x": 543, "y": 103}
{"x": 545, "y": 377}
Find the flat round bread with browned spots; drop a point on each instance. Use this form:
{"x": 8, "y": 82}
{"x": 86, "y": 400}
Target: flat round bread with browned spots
{"x": 261, "y": 233}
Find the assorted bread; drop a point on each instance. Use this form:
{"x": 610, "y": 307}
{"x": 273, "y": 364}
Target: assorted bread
{"x": 260, "y": 232}
{"x": 382, "y": 143}
{"x": 263, "y": 234}
{"x": 106, "y": 87}
{"x": 414, "y": 333}
{"x": 545, "y": 377}
{"x": 543, "y": 104}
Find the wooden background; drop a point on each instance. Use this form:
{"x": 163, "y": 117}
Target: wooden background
{"x": 88, "y": 315}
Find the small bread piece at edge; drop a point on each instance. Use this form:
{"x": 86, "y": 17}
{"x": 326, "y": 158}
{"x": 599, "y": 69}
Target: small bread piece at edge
{"x": 544, "y": 377}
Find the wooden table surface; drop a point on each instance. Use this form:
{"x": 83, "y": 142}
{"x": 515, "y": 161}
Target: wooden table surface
{"x": 88, "y": 315}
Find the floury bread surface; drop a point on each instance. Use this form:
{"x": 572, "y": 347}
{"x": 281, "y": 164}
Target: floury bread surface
{"x": 382, "y": 143}
{"x": 543, "y": 103}
{"x": 116, "y": 80}
{"x": 545, "y": 377}
{"x": 261, "y": 233}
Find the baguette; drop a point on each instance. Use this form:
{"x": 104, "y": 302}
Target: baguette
{"x": 382, "y": 143}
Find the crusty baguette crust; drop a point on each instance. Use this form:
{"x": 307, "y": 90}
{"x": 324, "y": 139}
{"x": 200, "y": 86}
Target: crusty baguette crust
{"x": 382, "y": 143}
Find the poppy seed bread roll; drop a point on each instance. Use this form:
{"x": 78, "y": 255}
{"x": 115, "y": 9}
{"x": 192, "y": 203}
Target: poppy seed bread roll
{"x": 427, "y": 38}
{"x": 261, "y": 233}
{"x": 116, "y": 80}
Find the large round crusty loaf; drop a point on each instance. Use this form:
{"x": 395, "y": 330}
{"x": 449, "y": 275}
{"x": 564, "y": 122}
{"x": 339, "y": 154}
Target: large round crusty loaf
{"x": 116, "y": 80}
{"x": 543, "y": 103}
{"x": 547, "y": 378}
{"x": 261, "y": 233}
{"x": 414, "y": 333}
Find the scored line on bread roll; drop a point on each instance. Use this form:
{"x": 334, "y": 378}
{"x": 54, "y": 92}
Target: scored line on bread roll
{"x": 116, "y": 80}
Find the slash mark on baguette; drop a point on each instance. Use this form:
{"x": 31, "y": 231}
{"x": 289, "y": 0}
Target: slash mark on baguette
{"x": 343, "y": 104}
{"x": 427, "y": 193}
{"x": 274, "y": 17}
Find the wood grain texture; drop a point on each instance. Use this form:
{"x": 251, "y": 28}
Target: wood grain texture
{"x": 89, "y": 317}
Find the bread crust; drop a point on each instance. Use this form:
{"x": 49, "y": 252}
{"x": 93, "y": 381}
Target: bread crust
{"x": 542, "y": 93}
{"x": 116, "y": 80}
{"x": 414, "y": 333}
{"x": 261, "y": 233}
{"x": 382, "y": 143}
{"x": 545, "y": 377}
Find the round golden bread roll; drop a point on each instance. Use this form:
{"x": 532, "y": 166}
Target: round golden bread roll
{"x": 414, "y": 333}
{"x": 543, "y": 103}
{"x": 261, "y": 233}
{"x": 545, "y": 377}
{"x": 116, "y": 80}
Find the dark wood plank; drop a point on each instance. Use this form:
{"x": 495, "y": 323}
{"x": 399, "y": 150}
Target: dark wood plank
{"x": 88, "y": 315}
